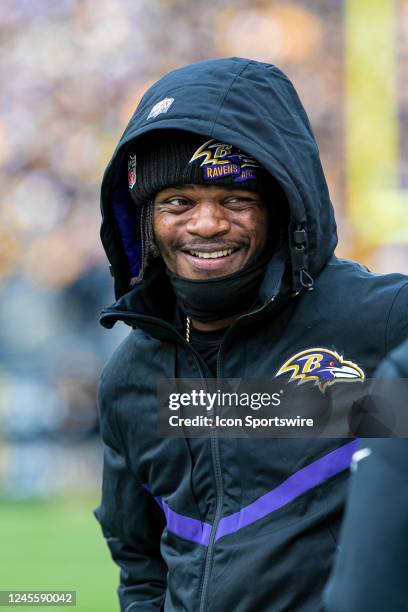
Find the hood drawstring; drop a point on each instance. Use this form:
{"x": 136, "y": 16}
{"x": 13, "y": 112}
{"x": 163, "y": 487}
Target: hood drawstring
{"x": 300, "y": 260}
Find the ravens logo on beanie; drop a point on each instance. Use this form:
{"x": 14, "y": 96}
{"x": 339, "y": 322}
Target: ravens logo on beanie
{"x": 167, "y": 158}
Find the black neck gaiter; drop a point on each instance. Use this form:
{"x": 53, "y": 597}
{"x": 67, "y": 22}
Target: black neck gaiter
{"x": 219, "y": 298}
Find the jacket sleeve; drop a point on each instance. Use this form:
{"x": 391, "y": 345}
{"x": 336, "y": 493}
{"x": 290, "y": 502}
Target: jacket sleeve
{"x": 132, "y": 524}
{"x": 397, "y": 323}
{"x": 370, "y": 569}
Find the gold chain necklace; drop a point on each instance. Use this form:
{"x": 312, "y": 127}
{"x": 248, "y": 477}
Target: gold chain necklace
{"x": 188, "y": 328}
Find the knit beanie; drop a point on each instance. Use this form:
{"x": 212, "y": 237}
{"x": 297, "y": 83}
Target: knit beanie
{"x": 168, "y": 158}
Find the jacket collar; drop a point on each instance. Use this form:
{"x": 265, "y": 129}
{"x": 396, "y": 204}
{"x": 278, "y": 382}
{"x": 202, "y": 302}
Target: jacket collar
{"x": 151, "y": 304}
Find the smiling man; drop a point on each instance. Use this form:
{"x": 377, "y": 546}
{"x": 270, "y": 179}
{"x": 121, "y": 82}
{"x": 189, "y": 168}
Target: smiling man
{"x": 205, "y": 233}
{"x": 202, "y": 233}
{"x": 207, "y": 225}
{"x": 220, "y": 234}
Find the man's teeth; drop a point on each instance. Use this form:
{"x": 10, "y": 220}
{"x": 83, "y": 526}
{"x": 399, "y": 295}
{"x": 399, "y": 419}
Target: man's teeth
{"x": 212, "y": 255}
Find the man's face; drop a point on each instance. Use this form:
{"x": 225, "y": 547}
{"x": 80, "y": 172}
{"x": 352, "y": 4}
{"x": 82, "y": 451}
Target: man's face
{"x": 208, "y": 231}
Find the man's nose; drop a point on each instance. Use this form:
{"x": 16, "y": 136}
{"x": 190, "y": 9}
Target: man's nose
{"x": 208, "y": 220}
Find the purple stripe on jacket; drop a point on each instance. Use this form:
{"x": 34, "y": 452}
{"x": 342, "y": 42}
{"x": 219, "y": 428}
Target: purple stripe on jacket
{"x": 300, "y": 482}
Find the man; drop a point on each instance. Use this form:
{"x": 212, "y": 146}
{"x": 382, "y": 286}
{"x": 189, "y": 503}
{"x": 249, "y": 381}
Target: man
{"x": 220, "y": 233}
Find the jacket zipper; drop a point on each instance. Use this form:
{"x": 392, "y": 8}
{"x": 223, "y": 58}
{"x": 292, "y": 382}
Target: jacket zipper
{"x": 216, "y": 463}
{"x": 219, "y": 495}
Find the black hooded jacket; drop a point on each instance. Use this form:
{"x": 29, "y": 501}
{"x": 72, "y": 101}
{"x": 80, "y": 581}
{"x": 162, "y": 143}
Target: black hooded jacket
{"x": 217, "y": 524}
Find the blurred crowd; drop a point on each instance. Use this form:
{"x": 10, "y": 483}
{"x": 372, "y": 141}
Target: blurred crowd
{"x": 72, "y": 73}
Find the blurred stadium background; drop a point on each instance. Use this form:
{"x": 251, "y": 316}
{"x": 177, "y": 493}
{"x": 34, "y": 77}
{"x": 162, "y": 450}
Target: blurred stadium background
{"x": 72, "y": 72}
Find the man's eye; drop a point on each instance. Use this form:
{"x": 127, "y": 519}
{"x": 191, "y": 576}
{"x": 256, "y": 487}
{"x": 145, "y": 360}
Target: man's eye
{"x": 233, "y": 200}
{"x": 176, "y": 202}
{"x": 241, "y": 201}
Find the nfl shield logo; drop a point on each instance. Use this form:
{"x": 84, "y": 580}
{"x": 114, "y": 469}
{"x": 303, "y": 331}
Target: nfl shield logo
{"x": 161, "y": 107}
{"x": 132, "y": 171}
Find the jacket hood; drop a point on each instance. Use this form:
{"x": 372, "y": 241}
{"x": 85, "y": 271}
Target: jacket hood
{"x": 253, "y": 106}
